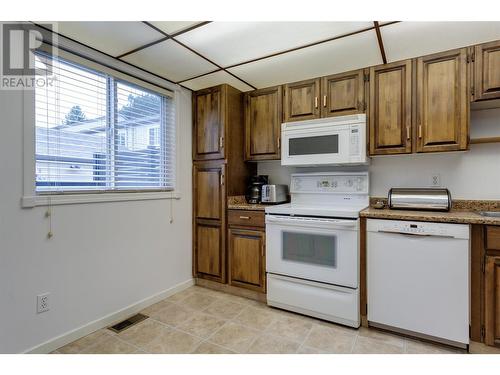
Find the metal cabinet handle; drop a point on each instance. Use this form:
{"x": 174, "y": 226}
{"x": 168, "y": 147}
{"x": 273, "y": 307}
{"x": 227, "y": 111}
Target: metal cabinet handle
{"x": 221, "y": 142}
{"x": 408, "y": 132}
{"x": 245, "y": 217}
{"x": 315, "y": 102}
{"x": 324, "y": 100}
{"x": 420, "y": 131}
{"x": 221, "y": 179}
{"x": 278, "y": 143}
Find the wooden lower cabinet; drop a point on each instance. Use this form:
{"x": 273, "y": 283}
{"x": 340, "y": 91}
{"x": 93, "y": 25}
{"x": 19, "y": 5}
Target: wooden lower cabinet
{"x": 246, "y": 253}
{"x": 492, "y": 300}
{"x": 209, "y": 250}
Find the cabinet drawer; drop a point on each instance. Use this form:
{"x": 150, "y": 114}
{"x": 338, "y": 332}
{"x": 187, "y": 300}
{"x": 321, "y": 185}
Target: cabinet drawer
{"x": 493, "y": 237}
{"x": 246, "y": 218}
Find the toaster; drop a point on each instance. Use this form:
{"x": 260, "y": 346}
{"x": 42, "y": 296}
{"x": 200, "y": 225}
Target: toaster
{"x": 274, "y": 193}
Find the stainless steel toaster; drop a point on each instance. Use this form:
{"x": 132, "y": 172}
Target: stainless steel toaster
{"x": 274, "y": 193}
{"x": 432, "y": 199}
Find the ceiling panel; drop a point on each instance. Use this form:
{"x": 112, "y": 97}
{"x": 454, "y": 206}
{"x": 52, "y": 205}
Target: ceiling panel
{"x": 171, "y": 27}
{"x": 170, "y": 60}
{"x": 353, "y": 52}
{"x": 403, "y": 40}
{"x": 228, "y": 43}
{"x": 113, "y": 38}
{"x": 215, "y": 79}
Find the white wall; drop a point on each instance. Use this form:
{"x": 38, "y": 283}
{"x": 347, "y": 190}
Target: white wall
{"x": 474, "y": 174}
{"x": 103, "y": 257}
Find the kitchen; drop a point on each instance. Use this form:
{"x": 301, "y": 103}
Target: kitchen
{"x": 321, "y": 124}
{"x": 186, "y": 188}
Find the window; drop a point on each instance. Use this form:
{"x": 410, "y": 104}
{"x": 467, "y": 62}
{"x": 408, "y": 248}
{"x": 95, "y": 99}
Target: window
{"x": 95, "y": 132}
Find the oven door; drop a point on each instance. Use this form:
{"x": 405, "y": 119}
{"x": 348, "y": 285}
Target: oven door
{"x": 324, "y": 250}
{"x": 329, "y": 145}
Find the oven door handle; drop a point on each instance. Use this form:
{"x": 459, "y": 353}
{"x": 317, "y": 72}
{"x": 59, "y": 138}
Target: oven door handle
{"x": 310, "y": 222}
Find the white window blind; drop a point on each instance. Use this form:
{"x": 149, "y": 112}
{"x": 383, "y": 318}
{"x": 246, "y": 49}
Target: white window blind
{"x": 98, "y": 133}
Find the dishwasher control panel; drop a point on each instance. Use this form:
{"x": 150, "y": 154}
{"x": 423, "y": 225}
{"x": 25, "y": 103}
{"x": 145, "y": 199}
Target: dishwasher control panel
{"x": 419, "y": 228}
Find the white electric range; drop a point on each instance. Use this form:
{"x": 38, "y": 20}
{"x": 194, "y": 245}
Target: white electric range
{"x": 312, "y": 243}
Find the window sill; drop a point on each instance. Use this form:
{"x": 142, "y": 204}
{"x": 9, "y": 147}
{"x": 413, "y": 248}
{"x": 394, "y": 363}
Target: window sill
{"x": 42, "y": 200}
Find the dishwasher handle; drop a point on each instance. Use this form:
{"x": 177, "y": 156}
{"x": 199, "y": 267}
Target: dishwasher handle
{"x": 415, "y": 234}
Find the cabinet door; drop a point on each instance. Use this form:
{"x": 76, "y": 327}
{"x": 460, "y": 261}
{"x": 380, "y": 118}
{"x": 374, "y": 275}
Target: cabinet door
{"x": 492, "y": 300}
{"x": 343, "y": 94}
{"x": 442, "y": 102}
{"x": 209, "y": 250}
{"x": 301, "y": 100}
{"x": 209, "y": 121}
{"x": 247, "y": 259}
{"x": 263, "y": 116}
{"x": 487, "y": 71}
{"x": 390, "y": 117}
{"x": 208, "y": 190}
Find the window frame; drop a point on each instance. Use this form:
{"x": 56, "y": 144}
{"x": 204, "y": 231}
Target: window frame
{"x": 32, "y": 198}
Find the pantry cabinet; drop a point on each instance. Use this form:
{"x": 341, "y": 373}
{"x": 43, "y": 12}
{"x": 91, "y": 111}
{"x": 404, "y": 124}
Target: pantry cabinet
{"x": 247, "y": 259}
{"x": 209, "y": 202}
{"x": 486, "y": 60}
{"x": 492, "y": 300}
{"x": 301, "y": 100}
{"x": 343, "y": 94}
{"x": 390, "y": 115}
{"x": 209, "y": 248}
{"x": 263, "y": 117}
{"x": 219, "y": 171}
{"x": 442, "y": 102}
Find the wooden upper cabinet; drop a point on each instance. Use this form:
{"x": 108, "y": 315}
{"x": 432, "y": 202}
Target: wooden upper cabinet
{"x": 442, "y": 102}
{"x": 487, "y": 71}
{"x": 492, "y": 300}
{"x": 343, "y": 94}
{"x": 390, "y": 119}
{"x": 209, "y": 196}
{"x": 263, "y": 117}
{"x": 209, "y": 120}
{"x": 247, "y": 259}
{"x": 301, "y": 100}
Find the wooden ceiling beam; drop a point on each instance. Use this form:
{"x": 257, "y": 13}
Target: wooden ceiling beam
{"x": 380, "y": 41}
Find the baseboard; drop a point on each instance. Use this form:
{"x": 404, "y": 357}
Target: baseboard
{"x": 106, "y": 321}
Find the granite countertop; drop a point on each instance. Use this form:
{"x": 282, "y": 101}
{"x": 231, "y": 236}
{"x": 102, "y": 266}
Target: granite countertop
{"x": 453, "y": 216}
{"x": 239, "y": 203}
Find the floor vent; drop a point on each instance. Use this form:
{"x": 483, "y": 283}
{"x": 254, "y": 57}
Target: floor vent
{"x": 127, "y": 323}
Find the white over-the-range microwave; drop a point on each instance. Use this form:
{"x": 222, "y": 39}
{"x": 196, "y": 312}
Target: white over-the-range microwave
{"x": 329, "y": 141}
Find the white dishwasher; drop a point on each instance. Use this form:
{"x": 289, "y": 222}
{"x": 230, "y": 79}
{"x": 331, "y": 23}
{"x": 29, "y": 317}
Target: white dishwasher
{"x": 418, "y": 279}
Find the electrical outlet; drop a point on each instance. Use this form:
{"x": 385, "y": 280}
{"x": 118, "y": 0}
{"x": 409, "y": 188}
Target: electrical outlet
{"x": 42, "y": 302}
{"x": 436, "y": 180}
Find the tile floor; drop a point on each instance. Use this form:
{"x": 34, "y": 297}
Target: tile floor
{"x": 200, "y": 320}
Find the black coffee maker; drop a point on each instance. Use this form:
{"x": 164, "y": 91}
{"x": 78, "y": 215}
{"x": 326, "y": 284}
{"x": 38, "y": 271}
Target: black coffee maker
{"x": 254, "y": 188}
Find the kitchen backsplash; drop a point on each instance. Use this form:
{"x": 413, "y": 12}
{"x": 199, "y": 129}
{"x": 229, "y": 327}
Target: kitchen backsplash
{"x": 474, "y": 174}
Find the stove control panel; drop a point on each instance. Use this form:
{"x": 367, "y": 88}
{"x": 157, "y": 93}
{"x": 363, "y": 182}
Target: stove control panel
{"x": 341, "y": 183}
